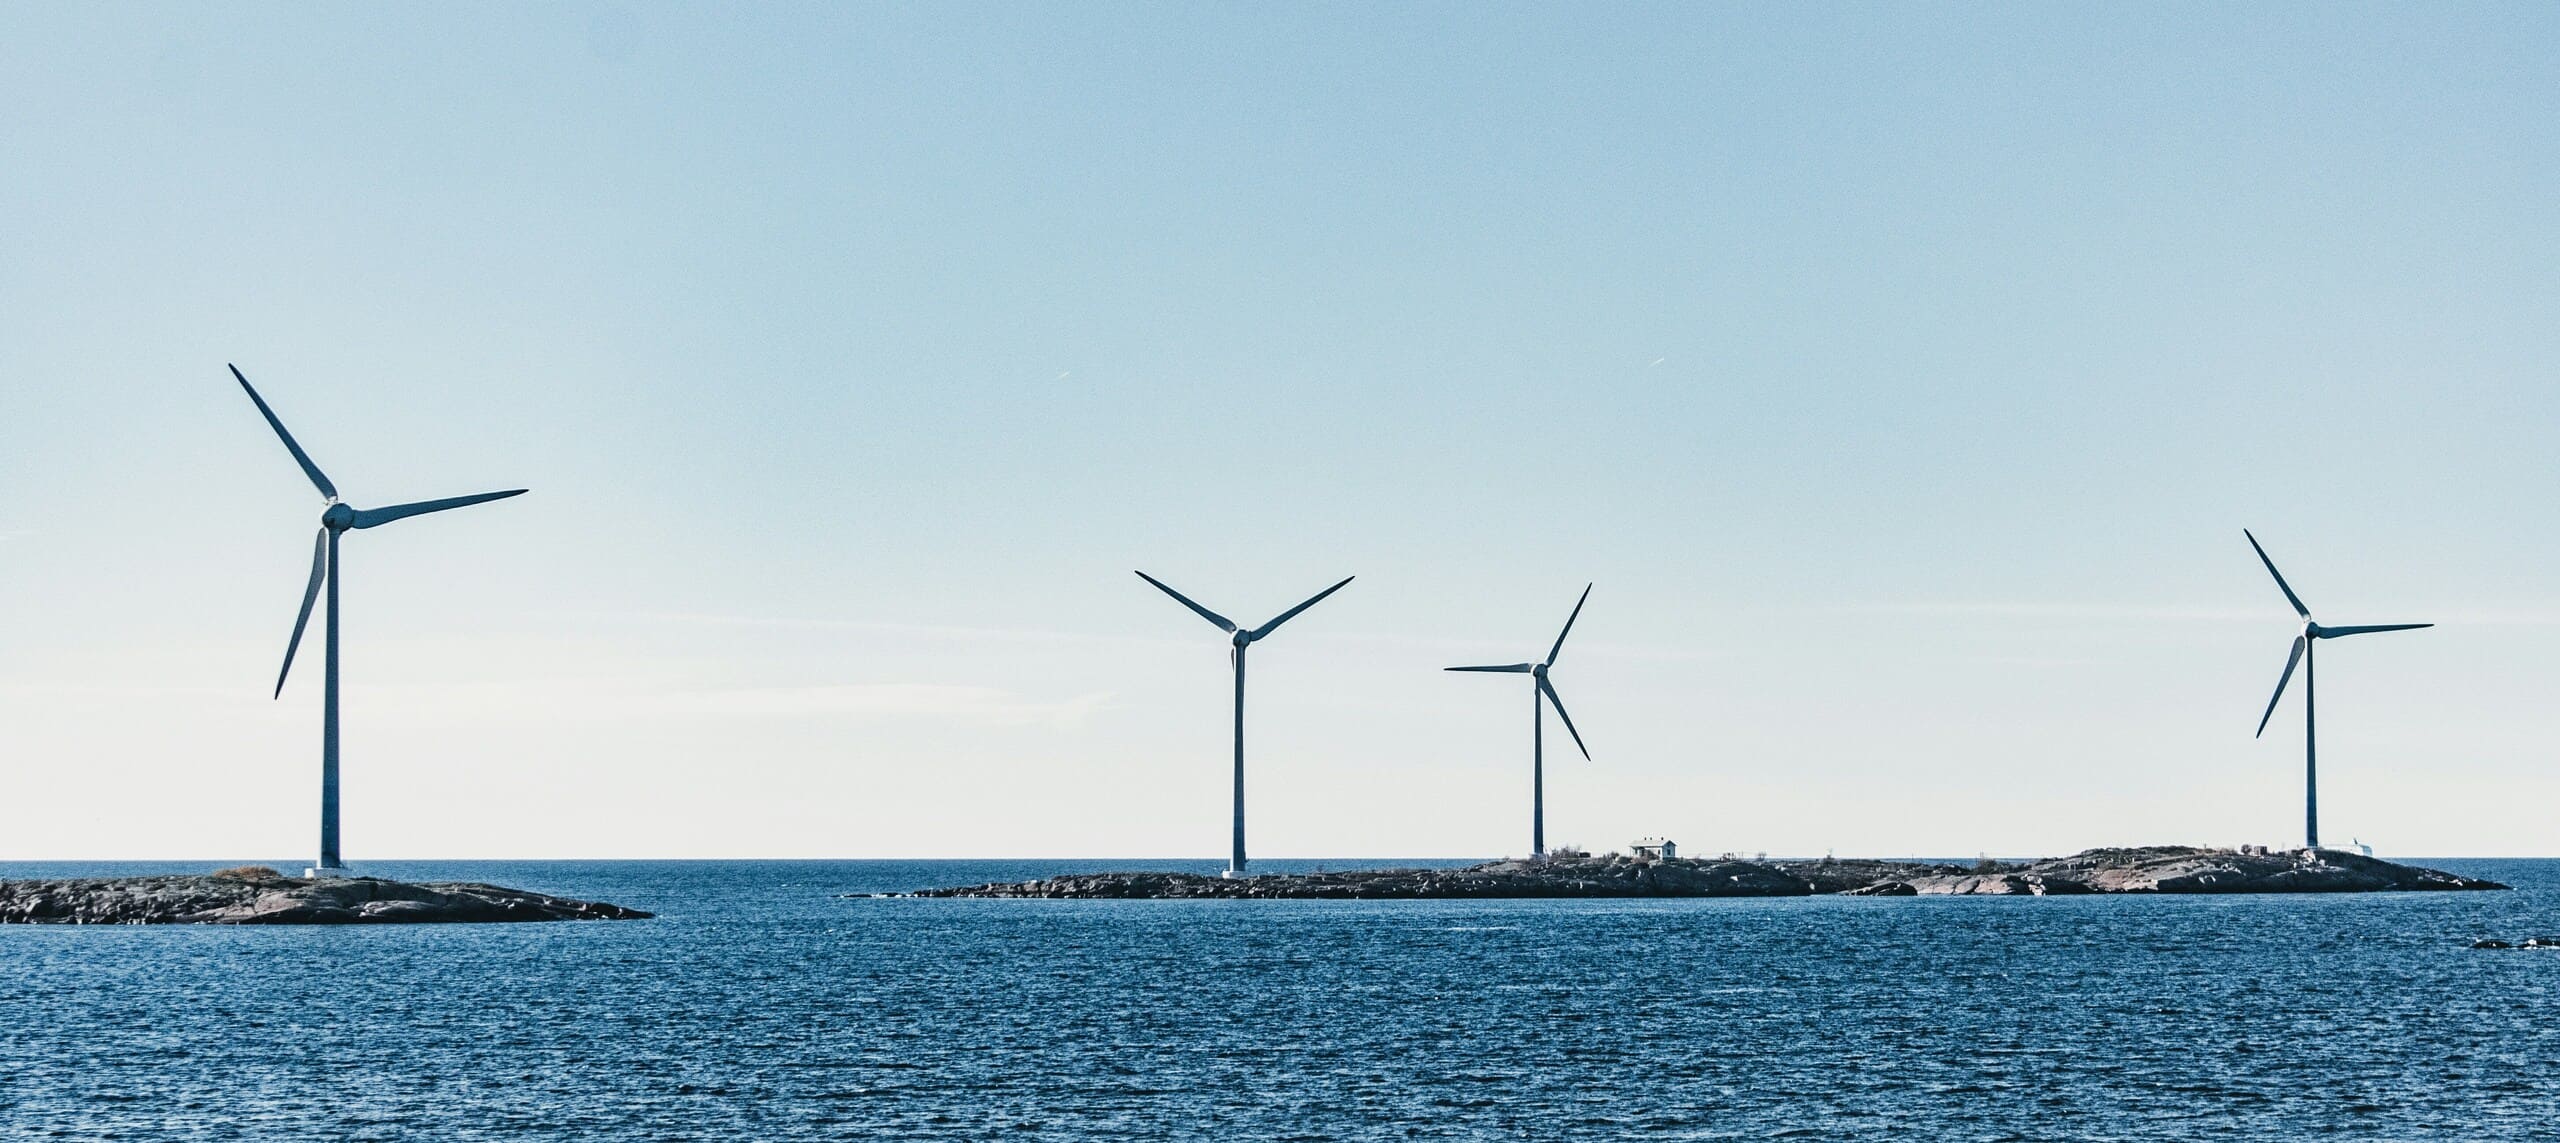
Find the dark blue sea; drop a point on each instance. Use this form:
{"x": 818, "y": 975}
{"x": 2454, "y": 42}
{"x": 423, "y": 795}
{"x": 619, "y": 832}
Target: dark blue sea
{"x": 760, "y": 1005}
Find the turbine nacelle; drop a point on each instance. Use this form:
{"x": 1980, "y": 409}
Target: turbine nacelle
{"x": 338, "y": 516}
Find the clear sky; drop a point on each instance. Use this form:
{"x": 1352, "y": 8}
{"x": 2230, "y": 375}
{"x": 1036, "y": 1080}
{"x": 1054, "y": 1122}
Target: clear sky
{"x": 1902, "y": 374}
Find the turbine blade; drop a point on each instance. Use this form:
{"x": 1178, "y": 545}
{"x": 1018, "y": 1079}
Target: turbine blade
{"x": 318, "y": 480}
{"x": 2287, "y": 588}
{"x": 2289, "y": 663}
{"x": 1292, "y": 613}
{"x": 310, "y": 594}
{"x": 1220, "y": 620}
{"x": 375, "y": 517}
{"x": 1558, "y": 649}
{"x": 1557, "y": 701}
{"x": 1504, "y": 669}
{"x": 2341, "y": 632}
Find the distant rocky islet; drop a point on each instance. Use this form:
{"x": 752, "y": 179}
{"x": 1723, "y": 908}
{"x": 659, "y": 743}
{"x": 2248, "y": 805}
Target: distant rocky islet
{"x": 2151, "y": 869}
{"x": 258, "y": 895}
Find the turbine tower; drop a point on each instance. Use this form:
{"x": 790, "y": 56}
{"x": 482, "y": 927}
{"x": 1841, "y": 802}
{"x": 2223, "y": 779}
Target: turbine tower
{"x": 335, "y": 520}
{"x": 1238, "y": 639}
{"x": 2312, "y": 632}
{"x": 1542, "y": 692}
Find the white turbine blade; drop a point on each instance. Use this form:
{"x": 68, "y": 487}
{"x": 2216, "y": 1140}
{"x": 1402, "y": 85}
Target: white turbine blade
{"x": 318, "y": 480}
{"x": 1558, "y": 649}
{"x": 2289, "y": 662}
{"x": 1504, "y": 669}
{"x": 2342, "y": 632}
{"x": 1221, "y": 621}
{"x": 376, "y": 517}
{"x": 310, "y": 593}
{"x": 2281, "y": 585}
{"x": 1557, "y": 701}
{"x": 1292, "y": 613}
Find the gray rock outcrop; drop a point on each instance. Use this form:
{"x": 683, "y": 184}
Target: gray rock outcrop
{"x": 260, "y": 896}
{"x": 2189, "y": 869}
{"x": 2156, "y": 869}
{"x": 1567, "y": 877}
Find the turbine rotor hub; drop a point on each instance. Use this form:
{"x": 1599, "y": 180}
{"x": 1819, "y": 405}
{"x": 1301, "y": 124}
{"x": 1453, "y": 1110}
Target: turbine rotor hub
{"x": 339, "y": 517}
{"x": 1241, "y": 637}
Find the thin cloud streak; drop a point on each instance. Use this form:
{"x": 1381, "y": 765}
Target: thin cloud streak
{"x": 1460, "y": 647}
{"x": 895, "y": 700}
{"x": 2530, "y": 616}
{"x": 930, "y": 630}
{"x": 591, "y": 700}
{"x": 1489, "y": 650}
{"x": 2085, "y": 612}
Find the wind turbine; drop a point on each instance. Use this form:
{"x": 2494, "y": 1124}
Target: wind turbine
{"x": 2312, "y": 632}
{"x": 1238, "y": 639}
{"x": 1542, "y": 692}
{"x": 335, "y": 519}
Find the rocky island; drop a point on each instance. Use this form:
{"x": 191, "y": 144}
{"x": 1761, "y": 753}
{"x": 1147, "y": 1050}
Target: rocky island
{"x": 258, "y": 895}
{"x": 2150, "y": 869}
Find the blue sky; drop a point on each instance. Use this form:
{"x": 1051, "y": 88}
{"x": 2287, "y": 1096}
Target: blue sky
{"x": 1903, "y": 375}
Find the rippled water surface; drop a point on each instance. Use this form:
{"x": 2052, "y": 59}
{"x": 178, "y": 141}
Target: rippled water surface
{"x": 761, "y": 1006}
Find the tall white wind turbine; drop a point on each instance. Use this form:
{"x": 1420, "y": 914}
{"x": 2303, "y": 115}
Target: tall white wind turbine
{"x": 1238, "y": 639}
{"x": 2301, "y": 654}
{"x": 336, "y": 519}
{"x": 1542, "y": 693}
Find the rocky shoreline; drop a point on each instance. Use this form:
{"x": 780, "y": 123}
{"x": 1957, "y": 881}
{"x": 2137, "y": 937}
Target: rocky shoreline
{"x": 257, "y": 895}
{"x": 2150, "y": 869}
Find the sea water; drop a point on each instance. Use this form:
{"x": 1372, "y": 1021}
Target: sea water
{"x": 760, "y": 1004}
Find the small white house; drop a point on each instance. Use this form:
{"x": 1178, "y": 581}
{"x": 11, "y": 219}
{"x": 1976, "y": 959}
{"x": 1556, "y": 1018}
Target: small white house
{"x": 1655, "y": 848}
